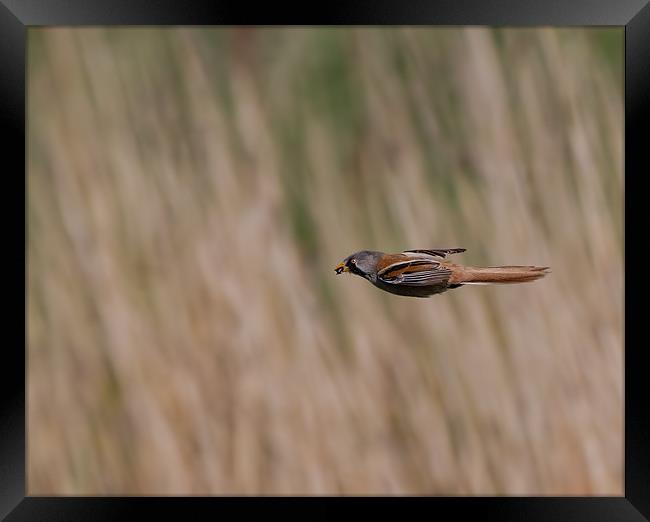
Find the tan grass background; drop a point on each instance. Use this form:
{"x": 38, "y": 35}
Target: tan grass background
{"x": 191, "y": 190}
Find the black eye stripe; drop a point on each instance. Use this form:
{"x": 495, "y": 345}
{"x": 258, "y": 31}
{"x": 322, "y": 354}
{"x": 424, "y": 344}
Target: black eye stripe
{"x": 355, "y": 270}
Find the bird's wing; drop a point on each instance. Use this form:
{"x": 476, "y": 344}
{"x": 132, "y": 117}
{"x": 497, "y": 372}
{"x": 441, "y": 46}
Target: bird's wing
{"x": 415, "y": 272}
{"x": 434, "y": 252}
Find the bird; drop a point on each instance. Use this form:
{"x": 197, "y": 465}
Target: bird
{"x": 423, "y": 273}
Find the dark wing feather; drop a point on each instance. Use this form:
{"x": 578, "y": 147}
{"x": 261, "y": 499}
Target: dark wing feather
{"x": 417, "y": 272}
{"x": 437, "y": 252}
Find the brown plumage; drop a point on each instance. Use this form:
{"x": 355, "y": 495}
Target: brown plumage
{"x": 496, "y": 274}
{"x": 422, "y": 273}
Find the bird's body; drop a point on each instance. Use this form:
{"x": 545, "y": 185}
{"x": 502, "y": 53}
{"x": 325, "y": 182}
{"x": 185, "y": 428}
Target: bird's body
{"x": 423, "y": 273}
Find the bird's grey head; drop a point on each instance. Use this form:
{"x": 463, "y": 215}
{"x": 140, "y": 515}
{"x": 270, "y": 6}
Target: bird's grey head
{"x": 363, "y": 263}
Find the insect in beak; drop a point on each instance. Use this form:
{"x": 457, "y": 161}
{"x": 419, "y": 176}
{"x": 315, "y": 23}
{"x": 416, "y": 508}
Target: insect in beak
{"x": 341, "y": 268}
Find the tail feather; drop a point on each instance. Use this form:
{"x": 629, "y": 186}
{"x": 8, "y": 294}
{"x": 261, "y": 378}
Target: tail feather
{"x": 500, "y": 274}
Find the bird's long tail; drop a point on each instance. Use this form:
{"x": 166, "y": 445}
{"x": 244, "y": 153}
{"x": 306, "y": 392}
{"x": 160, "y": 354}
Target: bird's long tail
{"x": 469, "y": 275}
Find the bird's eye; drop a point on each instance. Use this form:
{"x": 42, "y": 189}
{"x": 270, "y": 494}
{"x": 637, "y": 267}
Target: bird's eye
{"x": 353, "y": 261}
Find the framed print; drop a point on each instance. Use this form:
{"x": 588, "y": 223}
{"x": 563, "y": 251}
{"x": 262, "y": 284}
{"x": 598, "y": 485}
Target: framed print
{"x": 373, "y": 257}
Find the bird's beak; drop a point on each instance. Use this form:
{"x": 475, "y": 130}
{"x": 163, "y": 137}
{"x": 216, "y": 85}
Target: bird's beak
{"x": 341, "y": 268}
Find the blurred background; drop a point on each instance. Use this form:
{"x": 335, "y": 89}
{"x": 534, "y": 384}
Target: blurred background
{"x": 189, "y": 194}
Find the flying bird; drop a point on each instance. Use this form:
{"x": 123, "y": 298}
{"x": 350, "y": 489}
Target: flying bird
{"x": 423, "y": 273}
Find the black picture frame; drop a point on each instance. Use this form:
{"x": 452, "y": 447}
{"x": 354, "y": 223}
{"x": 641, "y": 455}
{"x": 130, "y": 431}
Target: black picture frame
{"x": 634, "y": 15}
